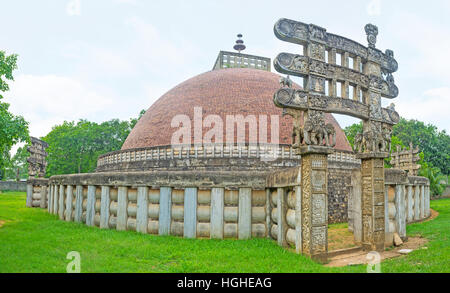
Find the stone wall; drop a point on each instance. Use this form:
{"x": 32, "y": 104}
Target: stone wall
{"x": 339, "y": 188}
{"x": 13, "y": 186}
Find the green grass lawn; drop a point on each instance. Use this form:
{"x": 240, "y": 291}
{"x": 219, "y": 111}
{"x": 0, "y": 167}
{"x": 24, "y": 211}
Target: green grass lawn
{"x": 31, "y": 240}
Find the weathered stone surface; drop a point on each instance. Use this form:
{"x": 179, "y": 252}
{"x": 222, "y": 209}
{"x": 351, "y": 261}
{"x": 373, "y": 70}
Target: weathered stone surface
{"x": 69, "y": 204}
{"x": 165, "y": 206}
{"x": 90, "y": 208}
{"x": 280, "y": 216}
{"x": 416, "y": 203}
{"x": 13, "y": 186}
{"x": 142, "y": 210}
{"x": 78, "y": 203}
{"x": 29, "y": 202}
{"x": 245, "y": 213}
{"x": 61, "y": 207}
{"x": 104, "y": 209}
{"x": 36, "y": 162}
{"x": 397, "y": 240}
{"x": 190, "y": 212}
{"x": 410, "y": 204}
{"x": 400, "y": 216}
{"x": 122, "y": 207}
{"x": 217, "y": 210}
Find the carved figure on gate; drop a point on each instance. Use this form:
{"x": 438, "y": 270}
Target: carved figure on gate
{"x": 297, "y": 132}
{"x": 330, "y": 135}
{"x": 285, "y": 82}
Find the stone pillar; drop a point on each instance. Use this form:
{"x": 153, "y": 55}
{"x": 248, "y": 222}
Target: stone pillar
{"x": 105, "y": 202}
{"x": 90, "y": 207}
{"x": 55, "y": 200}
{"x": 61, "y": 208}
{"x": 400, "y": 217}
{"x": 422, "y": 202}
{"x": 190, "y": 213}
{"x": 416, "y": 203}
{"x": 29, "y": 203}
{"x": 78, "y": 204}
{"x": 217, "y": 207}
{"x": 69, "y": 203}
{"x": 373, "y": 201}
{"x": 245, "y": 213}
{"x": 427, "y": 201}
{"x": 44, "y": 195}
{"x": 281, "y": 217}
{"x": 165, "y": 207}
{"x": 268, "y": 212}
{"x": 409, "y": 210}
{"x": 314, "y": 201}
{"x": 357, "y": 213}
{"x": 298, "y": 218}
{"x": 142, "y": 210}
{"x": 50, "y": 200}
{"x": 122, "y": 207}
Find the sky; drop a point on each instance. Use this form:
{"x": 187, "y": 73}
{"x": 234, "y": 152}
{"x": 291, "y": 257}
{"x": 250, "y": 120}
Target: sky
{"x": 105, "y": 59}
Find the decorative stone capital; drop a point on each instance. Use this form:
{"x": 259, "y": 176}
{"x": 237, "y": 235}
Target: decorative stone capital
{"x": 372, "y": 155}
{"x": 313, "y": 149}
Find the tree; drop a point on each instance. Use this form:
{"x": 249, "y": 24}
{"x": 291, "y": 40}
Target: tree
{"x": 438, "y": 181}
{"x": 18, "y": 165}
{"x": 352, "y": 130}
{"x": 434, "y": 144}
{"x": 75, "y": 147}
{"x": 7, "y": 65}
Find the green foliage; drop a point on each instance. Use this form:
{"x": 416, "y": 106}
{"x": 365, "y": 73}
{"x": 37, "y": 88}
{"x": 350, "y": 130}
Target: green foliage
{"x": 7, "y": 65}
{"x": 351, "y": 131}
{"x": 75, "y": 147}
{"x": 18, "y": 165}
{"x": 13, "y": 129}
{"x": 438, "y": 181}
{"x": 434, "y": 144}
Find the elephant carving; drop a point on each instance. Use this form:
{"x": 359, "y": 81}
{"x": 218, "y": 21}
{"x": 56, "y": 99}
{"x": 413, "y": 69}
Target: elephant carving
{"x": 297, "y": 132}
{"x": 330, "y": 135}
{"x": 313, "y": 134}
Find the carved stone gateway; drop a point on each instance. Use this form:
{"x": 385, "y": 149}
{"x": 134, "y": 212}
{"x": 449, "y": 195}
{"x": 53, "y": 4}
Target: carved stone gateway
{"x": 36, "y": 161}
{"x": 406, "y": 159}
{"x": 340, "y": 76}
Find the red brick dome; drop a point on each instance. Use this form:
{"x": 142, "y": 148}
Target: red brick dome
{"x": 220, "y": 92}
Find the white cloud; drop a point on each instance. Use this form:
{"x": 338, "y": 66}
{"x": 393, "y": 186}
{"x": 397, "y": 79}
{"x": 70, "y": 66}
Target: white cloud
{"x": 374, "y": 8}
{"x": 47, "y": 100}
{"x": 156, "y": 52}
{"x": 428, "y": 44}
{"x": 95, "y": 61}
{"x": 131, "y": 2}
{"x": 431, "y": 107}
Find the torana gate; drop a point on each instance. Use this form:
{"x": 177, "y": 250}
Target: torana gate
{"x": 362, "y": 83}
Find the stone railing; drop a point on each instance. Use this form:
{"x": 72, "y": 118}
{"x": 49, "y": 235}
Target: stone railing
{"x": 190, "y": 204}
{"x": 239, "y": 60}
{"x": 407, "y": 200}
{"x": 198, "y": 152}
{"x": 263, "y": 152}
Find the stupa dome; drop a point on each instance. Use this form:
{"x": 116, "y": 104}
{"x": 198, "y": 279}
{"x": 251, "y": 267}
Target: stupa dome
{"x": 223, "y": 92}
